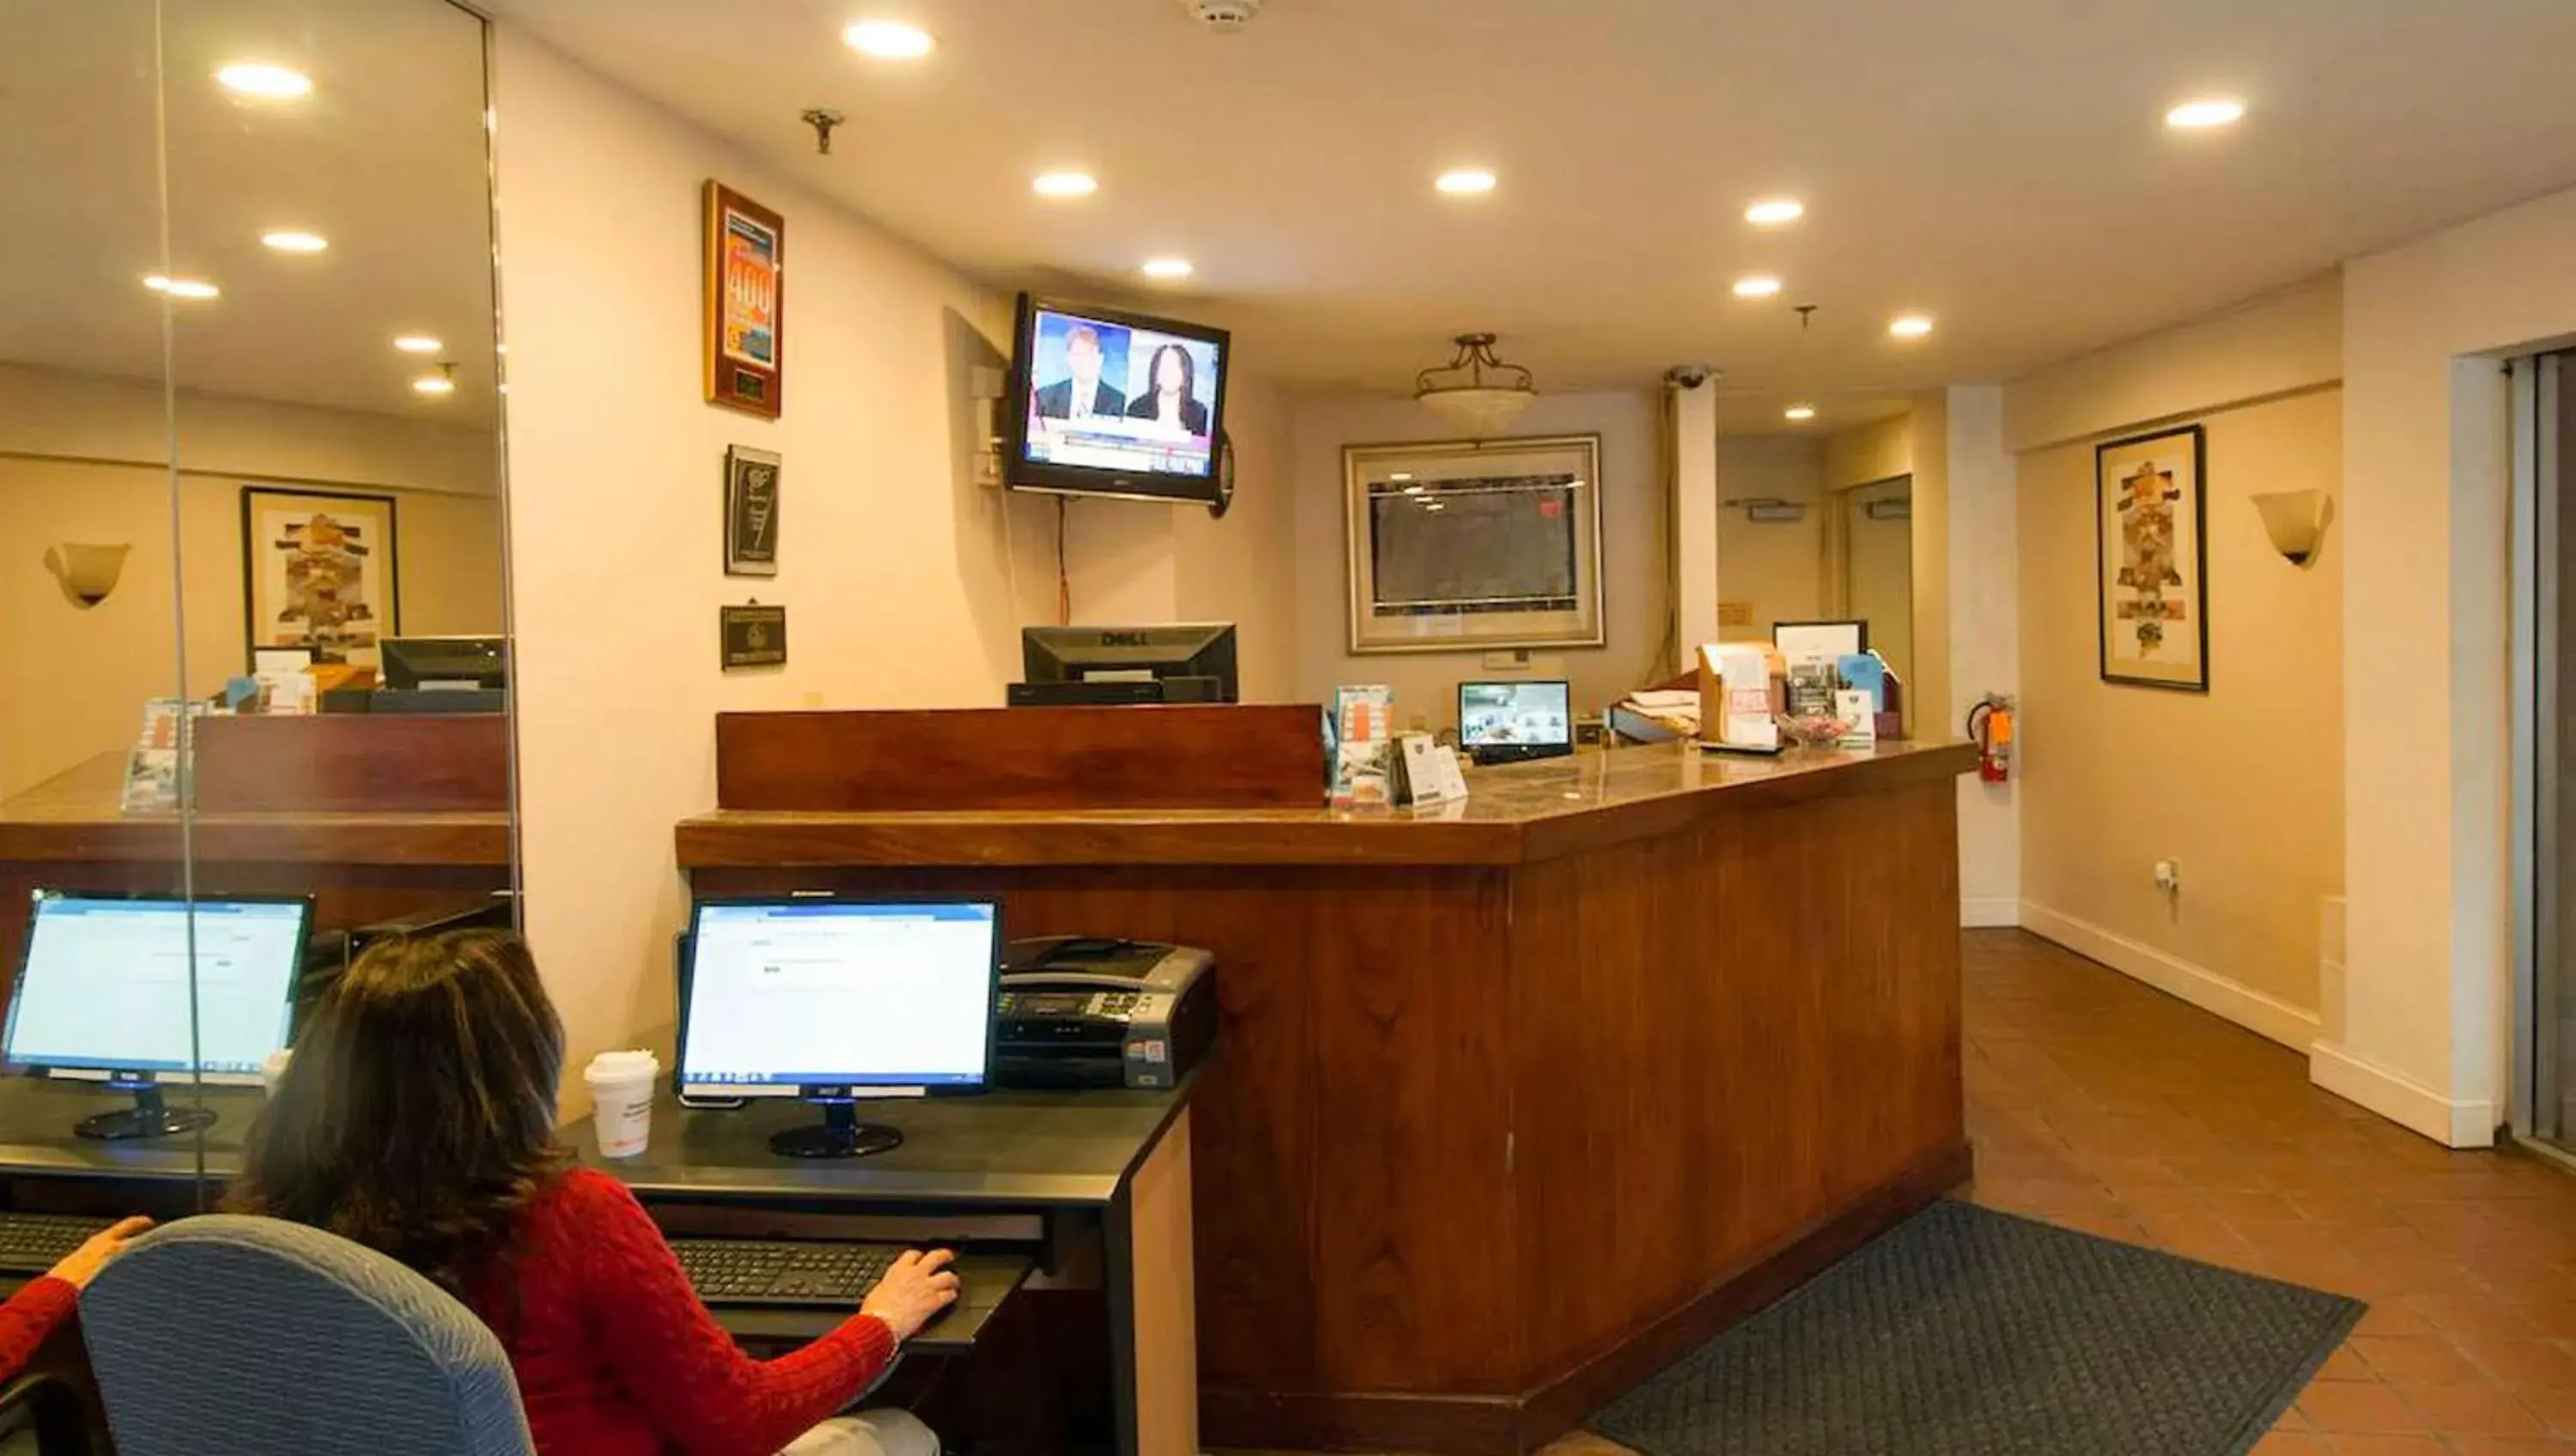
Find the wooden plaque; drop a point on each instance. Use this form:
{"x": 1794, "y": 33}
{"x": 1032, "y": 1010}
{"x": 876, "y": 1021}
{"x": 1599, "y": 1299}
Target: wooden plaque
{"x": 746, "y": 302}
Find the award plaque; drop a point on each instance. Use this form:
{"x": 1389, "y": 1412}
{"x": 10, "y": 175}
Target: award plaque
{"x": 746, "y": 288}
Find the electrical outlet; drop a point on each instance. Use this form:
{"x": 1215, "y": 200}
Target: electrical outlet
{"x": 2168, "y": 876}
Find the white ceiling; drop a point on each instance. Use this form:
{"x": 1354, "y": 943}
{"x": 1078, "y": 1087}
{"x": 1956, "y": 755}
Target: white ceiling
{"x": 1999, "y": 163}
{"x": 386, "y": 158}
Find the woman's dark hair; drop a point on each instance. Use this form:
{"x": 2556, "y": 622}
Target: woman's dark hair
{"x": 1154, "y": 372}
{"x": 417, "y": 1116}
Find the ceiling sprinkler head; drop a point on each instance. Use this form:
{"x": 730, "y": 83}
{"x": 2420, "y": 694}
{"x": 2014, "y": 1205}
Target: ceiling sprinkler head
{"x": 1225, "y": 17}
{"x": 822, "y": 119}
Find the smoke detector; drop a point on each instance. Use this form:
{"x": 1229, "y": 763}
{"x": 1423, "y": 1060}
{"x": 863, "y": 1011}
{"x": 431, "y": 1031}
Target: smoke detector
{"x": 1225, "y": 17}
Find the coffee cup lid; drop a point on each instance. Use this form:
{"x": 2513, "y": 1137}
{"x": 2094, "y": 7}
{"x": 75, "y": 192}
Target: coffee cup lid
{"x": 625, "y": 1064}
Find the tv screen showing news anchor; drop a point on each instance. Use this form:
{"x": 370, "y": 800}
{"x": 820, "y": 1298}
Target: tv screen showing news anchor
{"x": 1113, "y": 396}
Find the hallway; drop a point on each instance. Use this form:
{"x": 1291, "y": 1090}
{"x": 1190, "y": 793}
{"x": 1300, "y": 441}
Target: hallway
{"x": 2099, "y": 1104}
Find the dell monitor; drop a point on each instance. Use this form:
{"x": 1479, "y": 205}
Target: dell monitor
{"x": 1502, "y": 722}
{"x": 446, "y": 663}
{"x": 1106, "y": 665}
{"x": 1108, "y": 403}
{"x": 835, "y": 1001}
{"x": 104, "y": 995}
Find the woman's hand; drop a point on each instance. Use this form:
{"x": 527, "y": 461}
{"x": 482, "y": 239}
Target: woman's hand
{"x": 81, "y": 1265}
{"x": 918, "y": 1286}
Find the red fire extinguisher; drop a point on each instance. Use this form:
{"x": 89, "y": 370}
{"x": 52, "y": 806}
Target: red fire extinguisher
{"x": 1990, "y": 723}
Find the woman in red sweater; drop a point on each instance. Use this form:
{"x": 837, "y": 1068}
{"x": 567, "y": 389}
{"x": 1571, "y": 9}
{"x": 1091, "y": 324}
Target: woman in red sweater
{"x": 418, "y": 1118}
{"x": 36, "y": 1311}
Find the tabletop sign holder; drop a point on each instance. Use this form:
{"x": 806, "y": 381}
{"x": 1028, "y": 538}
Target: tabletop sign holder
{"x": 1426, "y": 772}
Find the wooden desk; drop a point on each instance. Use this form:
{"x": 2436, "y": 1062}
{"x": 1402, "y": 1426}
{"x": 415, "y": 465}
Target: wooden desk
{"x": 1515, "y": 1102}
{"x": 69, "y": 833}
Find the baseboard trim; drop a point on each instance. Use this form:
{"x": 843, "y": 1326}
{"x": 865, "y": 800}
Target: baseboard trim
{"x": 1513, "y": 1425}
{"x": 2218, "y": 995}
{"x": 2402, "y": 1100}
{"x": 1987, "y": 912}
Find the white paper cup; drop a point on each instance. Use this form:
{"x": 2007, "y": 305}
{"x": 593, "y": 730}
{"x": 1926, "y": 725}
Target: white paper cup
{"x": 621, "y": 1092}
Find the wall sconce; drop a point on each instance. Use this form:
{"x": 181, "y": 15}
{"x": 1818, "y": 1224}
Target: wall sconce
{"x": 87, "y": 573}
{"x": 1769, "y": 509}
{"x": 2296, "y": 522}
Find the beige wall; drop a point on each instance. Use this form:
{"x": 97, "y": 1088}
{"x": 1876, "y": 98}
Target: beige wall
{"x": 74, "y": 679}
{"x": 2243, "y": 786}
{"x": 2426, "y": 489}
{"x": 906, "y": 581}
{"x": 1874, "y": 451}
{"x": 1771, "y": 567}
{"x": 1426, "y": 683}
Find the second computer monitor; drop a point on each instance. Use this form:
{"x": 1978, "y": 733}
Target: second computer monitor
{"x": 1193, "y": 663}
{"x": 138, "y": 990}
{"x": 836, "y": 1001}
{"x": 1502, "y": 721}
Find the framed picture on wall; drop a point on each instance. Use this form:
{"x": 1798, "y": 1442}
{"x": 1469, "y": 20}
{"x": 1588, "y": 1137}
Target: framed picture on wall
{"x": 746, "y": 253}
{"x": 2151, "y": 536}
{"x": 751, "y": 512}
{"x": 1469, "y": 545}
{"x": 321, "y": 570}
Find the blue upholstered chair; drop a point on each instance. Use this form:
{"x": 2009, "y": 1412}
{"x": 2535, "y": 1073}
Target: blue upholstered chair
{"x": 253, "y": 1337}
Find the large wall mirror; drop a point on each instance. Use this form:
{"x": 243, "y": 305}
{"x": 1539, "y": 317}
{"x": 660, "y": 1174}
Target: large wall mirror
{"x": 252, "y": 612}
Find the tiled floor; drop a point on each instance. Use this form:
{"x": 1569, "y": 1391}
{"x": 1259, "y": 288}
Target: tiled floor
{"x": 2098, "y": 1104}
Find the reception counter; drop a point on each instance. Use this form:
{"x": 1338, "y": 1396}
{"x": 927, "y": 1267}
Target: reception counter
{"x": 1514, "y": 1101}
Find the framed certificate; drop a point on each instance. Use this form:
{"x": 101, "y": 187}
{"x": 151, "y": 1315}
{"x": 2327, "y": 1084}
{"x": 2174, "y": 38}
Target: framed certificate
{"x": 746, "y": 296}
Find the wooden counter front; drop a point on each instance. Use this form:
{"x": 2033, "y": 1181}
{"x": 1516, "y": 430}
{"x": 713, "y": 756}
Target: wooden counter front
{"x": 1515, "y": 1103}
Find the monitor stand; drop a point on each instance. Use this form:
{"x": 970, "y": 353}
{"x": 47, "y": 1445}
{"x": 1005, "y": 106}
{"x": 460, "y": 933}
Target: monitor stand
{"x": 839, "y": 1135}
{"x": 149, "y": 1117}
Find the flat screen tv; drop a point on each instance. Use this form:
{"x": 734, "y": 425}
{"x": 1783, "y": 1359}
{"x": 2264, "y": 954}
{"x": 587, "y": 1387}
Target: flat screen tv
{"x": 1108, "y": 403}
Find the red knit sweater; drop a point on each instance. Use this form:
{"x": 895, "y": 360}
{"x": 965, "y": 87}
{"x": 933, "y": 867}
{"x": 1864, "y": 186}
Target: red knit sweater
{"x": 30, "y": 1315}
{"x": 616, "y": 1357}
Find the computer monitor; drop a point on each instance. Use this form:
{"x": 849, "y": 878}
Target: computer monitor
{"x": 103, "y": 994}
{"x": 1182, "y": 663}
{"x": 413, "y": 663}
{"x": 1499, "y": 722}
{"x": 835, "y": 1000}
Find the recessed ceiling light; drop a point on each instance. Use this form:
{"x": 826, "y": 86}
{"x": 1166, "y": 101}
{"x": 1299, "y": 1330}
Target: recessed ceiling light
{"x": 1757, "y": 286}
{"x": 2205, "y": 112}
{"x": 259, "y": 78}
{"x": 416, "y": 343}
{"x": 433, "y": 384}
{"x": 1466, "y": 182}
{"x": 1168, "y": 268}
{"x": 888, "y": 40}
{"x": 195, "y": 288}
{"x": 1799, "y": 412}
{"x": 1775, "y": 212}
{"x": 293, "y": 241}
{"x": 1065, "y": 184}
{"x": 1910, "y": 326}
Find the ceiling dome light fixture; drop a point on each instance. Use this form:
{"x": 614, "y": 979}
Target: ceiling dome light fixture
{"x": 1775, "y": 212}
{"x": 1167, "y": 268}
{"x": 266, "y": 81}
{"x": 195, "y": 289}
{"x": 888, "y": 40}
{"x": 1910, "y": 325}
{"x": 1064, "y": 184}
{"x": 1475, "y": 391}
{"x": 417, "y": 344}
{"x": 1760, "y": 285}
{"x": 437, "y": 385}
{"x": 1465, "y": 182}
{"x": 2206, "y": 112}
{"x": 1801, "y": 412}
{"x": 292, "y": 240}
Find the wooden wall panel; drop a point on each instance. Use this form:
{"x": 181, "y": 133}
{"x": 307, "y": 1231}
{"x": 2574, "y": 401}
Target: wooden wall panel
{"x": 1226, "y": 756}
{"x": 354, "y": 763}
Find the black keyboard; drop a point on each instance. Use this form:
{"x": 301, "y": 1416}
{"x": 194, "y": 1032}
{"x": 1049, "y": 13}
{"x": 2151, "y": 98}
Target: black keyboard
{"x": 783, "y": 1272}
{"x": 31, "y": 1243}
